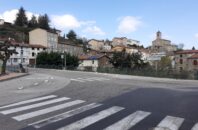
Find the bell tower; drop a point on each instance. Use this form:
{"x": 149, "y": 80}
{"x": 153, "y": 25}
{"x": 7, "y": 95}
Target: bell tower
{"x": 159, "y": 35}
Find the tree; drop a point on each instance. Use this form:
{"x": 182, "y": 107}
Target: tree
{"x": 193, "y": 48}
{"x": 43, "y": 22}
{"x": 71, "y": 35}
{"x": 125, "y": 60}
{"x": 21, "y": 18}
{"x": 165, "y": 63}
{"x": 5, "y": 54}
{"x": 33, "y": 23}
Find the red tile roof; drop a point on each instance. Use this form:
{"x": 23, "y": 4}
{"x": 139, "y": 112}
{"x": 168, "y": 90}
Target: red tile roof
{"x": 195, "y": 56}
{"x": 186, "y": 52}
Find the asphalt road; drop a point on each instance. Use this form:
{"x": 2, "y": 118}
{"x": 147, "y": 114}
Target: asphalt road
{"x": 94, "y": 101}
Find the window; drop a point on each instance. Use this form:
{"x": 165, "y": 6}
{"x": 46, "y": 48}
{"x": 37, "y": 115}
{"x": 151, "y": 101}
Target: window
{"x": 195, "y": 62}
{"x": 181, "y": 61}
{"x": 181, "y": 55}
{"x": 38, "y": 49}
{"x": 23, "y": 60}
{"x": 15, "y": 59}
{"x": 33, "y": 54}
{"x": 181, "y": 68}
{"x": 32, "y": 48}
{"x": 92, "y": 61}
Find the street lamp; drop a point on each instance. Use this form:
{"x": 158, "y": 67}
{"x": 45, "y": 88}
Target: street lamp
{"x": 63, "y": 57}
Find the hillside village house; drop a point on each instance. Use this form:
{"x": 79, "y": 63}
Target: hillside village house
{"x": 64, "y": 45}
{"x": 162, "y": 45}
{"x": 26, "y": 54}
{"x": 186, "y": 60}
{"x": 96, "y": 44}
{"x": 48, "y": 39}
{"x": 123, "y": 41}
{"x": 93, "y": 62}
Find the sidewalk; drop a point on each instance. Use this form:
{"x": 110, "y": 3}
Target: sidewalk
{"x": 11, "y": 76}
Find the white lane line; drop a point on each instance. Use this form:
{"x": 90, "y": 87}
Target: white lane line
{"x": 85, "y": 79}
{"x": 47, "y": 110}
{"x": 129, "y": 121}
{"x": 14, "y": 110}
{"x": 65, "y": 115}
{"x": 29, "y": 101}
{"x": 98, "y": 78}
{"x": 77, "y": 80}
{"x": 170, "y": 123}
{"x": 78, "y": 125}
{"x": 195, "y": 127}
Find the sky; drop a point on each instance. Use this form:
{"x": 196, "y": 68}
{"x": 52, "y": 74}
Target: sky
{"x": 105, "y": 19}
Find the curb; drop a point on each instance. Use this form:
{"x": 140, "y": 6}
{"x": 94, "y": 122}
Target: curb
{"x": 14, "y": 77}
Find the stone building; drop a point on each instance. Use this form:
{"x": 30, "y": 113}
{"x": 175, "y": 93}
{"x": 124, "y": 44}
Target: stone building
{"x": 65, "y": 45}
{"x": 96, "y": 44}
{"x": 186, "y": 60}
{"x": 48, "y": 39}
{"x": 162, "y": 45}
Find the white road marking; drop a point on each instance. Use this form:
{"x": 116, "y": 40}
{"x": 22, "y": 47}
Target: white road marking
{"x": 99, "y": 78}
{"x": 170, "y": 123}
{"x": 129, "y": 121}
{"x": 92, "y": 119}
{"x": 14, "y": 110}
{"x": 195, "y": 127}
{"x": 77, "y": 80}
{"x": 29, "y": 101}
{"x": 85, "y": 79}
{"x": 47, "y": 110}
{"x": 65, "y": 115}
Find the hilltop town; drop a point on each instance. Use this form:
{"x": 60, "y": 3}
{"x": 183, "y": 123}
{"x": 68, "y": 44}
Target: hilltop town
{"x": 32, "y": 39}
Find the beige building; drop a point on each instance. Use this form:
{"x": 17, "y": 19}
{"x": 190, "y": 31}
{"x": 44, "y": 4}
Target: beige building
{"x": 162, "y": 45}
{"x": 186, "y": 60}
{"x": 69, "y": 47}
{"x": 122, "y": 41}
{"x": 96, "y": 44}
{"x": 43, "y": 37}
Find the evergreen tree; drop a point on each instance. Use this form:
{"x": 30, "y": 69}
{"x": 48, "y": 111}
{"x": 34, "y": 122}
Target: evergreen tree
{"x": 193, "y": 48}
{"x": 43, "y": 22}
{"x": 21, "y": 18}
{"x": 33, "y": 23}
{"x": 71, "y": 35}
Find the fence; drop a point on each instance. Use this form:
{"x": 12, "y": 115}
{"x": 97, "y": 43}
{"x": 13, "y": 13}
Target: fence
{"x": 149, "y": 72}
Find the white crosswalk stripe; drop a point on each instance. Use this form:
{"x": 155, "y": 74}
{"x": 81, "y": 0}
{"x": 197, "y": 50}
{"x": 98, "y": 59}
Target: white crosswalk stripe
{"x": 47, "y": 110}
{"x": 92, "y": 119}
{"x": 170, "y": 123}
{"x": 195, "y": 127}
{"x": 90, "y": 79}
{"x": 129, "y": 121}
{"x": 65, "y": 115}
{"x": 33, "y": 105}
{"x": 52, "y": 103}
{"x": 29, "y": 101}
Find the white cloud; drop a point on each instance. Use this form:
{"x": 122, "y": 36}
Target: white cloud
{"x": 196, "y": 35}
{"x": 10, "y": 15}
{"x": 94, "y": 30}
{"x": 128, "y": 24}
{"x": 68, "y": 21}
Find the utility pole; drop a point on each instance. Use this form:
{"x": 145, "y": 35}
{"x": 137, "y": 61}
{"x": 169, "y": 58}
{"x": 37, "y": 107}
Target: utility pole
{"x": 65, "y": 60}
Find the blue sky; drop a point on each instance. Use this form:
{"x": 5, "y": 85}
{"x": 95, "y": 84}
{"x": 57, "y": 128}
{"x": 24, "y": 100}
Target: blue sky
{"x": 101, "y": 19}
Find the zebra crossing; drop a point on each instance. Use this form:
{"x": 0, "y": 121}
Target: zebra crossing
{"x": 48, "y": 104}
{"x": 89, "y": 79}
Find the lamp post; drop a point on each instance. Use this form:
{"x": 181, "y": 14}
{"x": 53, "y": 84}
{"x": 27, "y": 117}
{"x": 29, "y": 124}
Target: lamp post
{"x": 21, "y": 54}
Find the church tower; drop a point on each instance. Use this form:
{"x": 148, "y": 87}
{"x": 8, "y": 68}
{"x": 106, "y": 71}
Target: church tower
{"x": 159, "y": 35}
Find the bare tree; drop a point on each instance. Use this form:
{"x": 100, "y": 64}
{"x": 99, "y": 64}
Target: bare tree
{"x": 5, "y": 53}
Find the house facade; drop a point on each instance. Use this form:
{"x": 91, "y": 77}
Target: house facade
{"x": 186, "y": 60}
{"x": 70, "y": 47}
{"x": 26, "y": 54}
{"x": 93, "y": 62}
{"x": 96, "y": 44}
{"x": 48, "y": 39}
